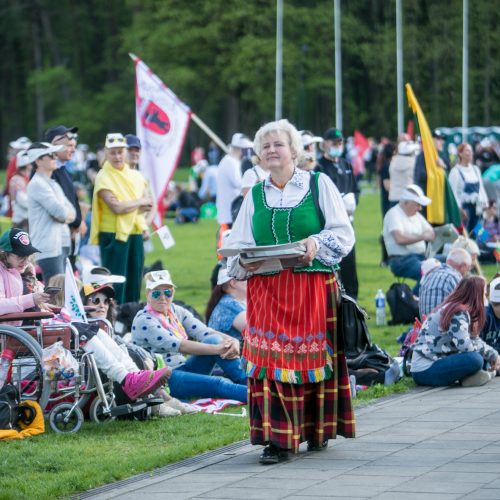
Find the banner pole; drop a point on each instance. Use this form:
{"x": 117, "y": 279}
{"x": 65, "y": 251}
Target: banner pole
{"x": 209, "y": 132}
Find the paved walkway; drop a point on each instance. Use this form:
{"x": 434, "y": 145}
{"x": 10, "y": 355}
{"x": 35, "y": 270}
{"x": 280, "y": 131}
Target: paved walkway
{"x": 432, "y": 445}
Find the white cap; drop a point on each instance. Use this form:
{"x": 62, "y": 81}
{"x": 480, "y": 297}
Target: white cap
{"x": 115, "y": 141}
{"x": 412, "y": 192}
{"x": 223, "y": 276}
{"x": 157, "y": 278}
{"x": 22, "y": 159}
{"x": 495, "y": 290}
{"x": 308, "y": 138}
{"x": 101, "y": 275}
{"x": 21, "y": 143}
{"x": 241, "y": 141}
{"x": 39, "y": 149}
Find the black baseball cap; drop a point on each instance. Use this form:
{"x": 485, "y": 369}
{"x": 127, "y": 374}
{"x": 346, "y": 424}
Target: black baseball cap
{"x": 18, "y": 242}
{"x": 333, "y": 134}
{"x": 437, "y": 134}
{"x": 53, "y": 132}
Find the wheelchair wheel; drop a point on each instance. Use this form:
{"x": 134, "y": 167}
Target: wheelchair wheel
{"x": 66, "y": 417}
{"x": 27, "y": 369}
{"x": 97, "y": 412}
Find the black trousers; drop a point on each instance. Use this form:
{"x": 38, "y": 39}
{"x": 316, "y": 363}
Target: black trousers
{"x": 348, "y": 273}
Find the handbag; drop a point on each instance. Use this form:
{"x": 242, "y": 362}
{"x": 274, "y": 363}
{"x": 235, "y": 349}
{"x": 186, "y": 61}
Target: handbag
{"x": 352, "y": 322}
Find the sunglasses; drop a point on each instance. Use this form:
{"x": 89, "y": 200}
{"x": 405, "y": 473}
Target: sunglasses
{"x": 69, "y": 136}
{"x": 111, "y": 140}
{"x": 157, "y": 293}
{"x": 52, "y": 156}
{"x": 97, "y": 300}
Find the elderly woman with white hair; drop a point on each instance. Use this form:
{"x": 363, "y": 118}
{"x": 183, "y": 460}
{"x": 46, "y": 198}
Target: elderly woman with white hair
{"x": 297, "y": 373}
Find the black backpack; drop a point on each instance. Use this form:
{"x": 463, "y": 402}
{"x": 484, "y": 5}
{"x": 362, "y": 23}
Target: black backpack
{"x": 9, "y": 407}
{"x": 352, "y": 320}
{"x": 404, "y": 307}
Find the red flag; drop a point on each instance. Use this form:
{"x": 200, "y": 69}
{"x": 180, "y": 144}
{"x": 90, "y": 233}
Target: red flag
{"x": 410, "y": 129}
{"x": 361, "y": 143}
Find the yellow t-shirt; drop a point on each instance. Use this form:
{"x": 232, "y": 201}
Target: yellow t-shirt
{"x": 127, "y": 185}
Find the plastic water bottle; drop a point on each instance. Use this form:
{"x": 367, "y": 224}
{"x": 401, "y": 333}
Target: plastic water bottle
{"x": 5, "y": 361}
{"x": 380, "y": 308}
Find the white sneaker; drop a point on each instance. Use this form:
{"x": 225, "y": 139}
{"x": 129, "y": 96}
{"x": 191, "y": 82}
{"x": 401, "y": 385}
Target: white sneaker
{"x": 477, "y": 379}
{"x": 184, "y": 408}
{"x": 165, "y": 410}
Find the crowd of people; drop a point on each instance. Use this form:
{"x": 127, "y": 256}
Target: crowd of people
{"x": 270, "y": 337}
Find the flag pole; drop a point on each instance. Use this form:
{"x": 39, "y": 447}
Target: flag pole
{"x": 338, "y": 65}
{"x": 399, "y": 65}
{"x": 209, "y": 132}
{"x": 197, "y": 119}
{"x": 279, "y": 60}
{"x": 465, "y": 70}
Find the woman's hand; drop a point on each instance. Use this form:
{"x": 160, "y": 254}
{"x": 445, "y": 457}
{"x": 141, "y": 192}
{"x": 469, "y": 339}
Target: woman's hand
{"x": 311, "y": 251}
{"x": 230, "y": 349}
{"x": 496, "y": 365}
{"x": 39, "y": 298}
{"x": 145, "y": 204}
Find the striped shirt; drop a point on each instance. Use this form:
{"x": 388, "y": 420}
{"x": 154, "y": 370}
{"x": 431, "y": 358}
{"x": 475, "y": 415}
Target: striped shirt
{"x": 435, "y": 286}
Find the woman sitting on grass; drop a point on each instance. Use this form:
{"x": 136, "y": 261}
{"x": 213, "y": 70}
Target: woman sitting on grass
{"x": 102, "y": 298}
{"x": 448, "y": 347}
{"x": 227, "y": 307}
{"x": 165, "y": 328}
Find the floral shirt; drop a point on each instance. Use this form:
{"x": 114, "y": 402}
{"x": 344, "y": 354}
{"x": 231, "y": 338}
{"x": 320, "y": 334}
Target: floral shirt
{"x": 154, "y": 335}
{"x": 433, "y": 343}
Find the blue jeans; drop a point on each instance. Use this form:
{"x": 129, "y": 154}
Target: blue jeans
{"x": 408, "y": 266}
{"x": 449, "y": 369}
{"x": 194, "y": 379}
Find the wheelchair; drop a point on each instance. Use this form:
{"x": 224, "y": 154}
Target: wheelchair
{"x": 62, "y": 401}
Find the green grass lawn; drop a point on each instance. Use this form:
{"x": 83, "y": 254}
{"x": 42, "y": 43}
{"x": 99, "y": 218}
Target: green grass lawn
{"x": 54, "y": 466}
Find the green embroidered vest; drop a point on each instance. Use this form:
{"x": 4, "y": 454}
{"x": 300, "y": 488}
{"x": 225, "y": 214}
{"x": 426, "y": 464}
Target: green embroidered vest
{"x": 275, "y": 226}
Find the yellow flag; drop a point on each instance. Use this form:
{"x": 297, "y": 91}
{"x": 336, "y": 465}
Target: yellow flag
{"x": 435, "y": 174}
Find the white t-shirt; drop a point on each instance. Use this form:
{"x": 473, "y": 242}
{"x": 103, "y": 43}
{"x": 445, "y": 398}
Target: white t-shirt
{"x": 252, "y": 176}
{"x": 228, "y": 187}
{"x": 396, "y": 220}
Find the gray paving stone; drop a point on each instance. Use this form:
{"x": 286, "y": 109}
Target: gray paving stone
{"x": 237, "y": 493}
{"x": 270, "y": 483}
{"x": 470, "y": 467}
{"x": 343, "y": 490}
{"x": 388, "y": 495}
{"x": 287, "y": 472}
{"x": 404, "y": 470}
{"x": 481, "y": 457}
{"x": 422, "y": 486}
{"x": 463, "y": 477}
{"x": 484, "y": 494}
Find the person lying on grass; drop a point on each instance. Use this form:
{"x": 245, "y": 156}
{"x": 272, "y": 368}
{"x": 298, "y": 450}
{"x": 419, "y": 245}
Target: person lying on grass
{"x": 166, "y": 328}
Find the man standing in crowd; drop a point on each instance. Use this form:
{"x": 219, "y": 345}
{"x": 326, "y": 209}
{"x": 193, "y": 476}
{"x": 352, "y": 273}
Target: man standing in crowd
{"x": 406, "y": 233}
{"x": 333, "y": 164}
{"x": 64, "y": 136}
{"x": 439, "y": 282}
{"x": 229, "y": 179}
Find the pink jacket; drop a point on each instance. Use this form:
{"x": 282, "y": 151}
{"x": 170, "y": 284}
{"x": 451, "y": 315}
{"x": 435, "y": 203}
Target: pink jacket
{"x": 11, "y": 293}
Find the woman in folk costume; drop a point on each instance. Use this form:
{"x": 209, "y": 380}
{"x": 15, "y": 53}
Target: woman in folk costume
{"x": 297, "y": 374}
{"x": 119, "y": 202}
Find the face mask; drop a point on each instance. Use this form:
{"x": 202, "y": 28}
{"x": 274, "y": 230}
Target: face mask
{"x": 335, "y": 152}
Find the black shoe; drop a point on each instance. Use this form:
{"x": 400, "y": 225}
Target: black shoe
{"x": 273, "y": 455}
{"x": 317, "y": 447}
